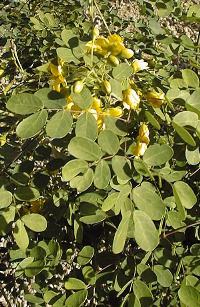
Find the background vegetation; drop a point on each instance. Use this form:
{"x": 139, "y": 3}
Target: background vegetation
{"x": 99, "y": 159}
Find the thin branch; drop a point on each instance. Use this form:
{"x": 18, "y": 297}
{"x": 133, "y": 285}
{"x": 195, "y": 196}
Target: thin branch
{"x": 178, "y": 229}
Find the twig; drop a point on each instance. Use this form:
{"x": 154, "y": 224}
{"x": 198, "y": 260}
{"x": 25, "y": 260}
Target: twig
{"x": 97, "y": 7}
{"x": 178, "y": 229}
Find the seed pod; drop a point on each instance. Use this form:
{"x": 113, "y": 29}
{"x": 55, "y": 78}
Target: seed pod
{"x": 114, "y": 60}
{"x": 127, "y": 53}
{"x": 107, "y": 86}
{"x": 78, "y": 86}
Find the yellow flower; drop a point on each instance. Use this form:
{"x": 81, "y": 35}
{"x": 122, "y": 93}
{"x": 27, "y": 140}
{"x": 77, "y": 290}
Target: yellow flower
{"x": 96, "y": 104}
{"x": 131, "y": 99}
{"x": 143, "y": 136}
{"x": 116, "y": 45}
{"x": 114, "y": 112}
{"x": 70, "y": 106}
{"x": 139, "y": 65}
{"x": 156, "y": 99}
{"x": 139, "y": 149}
{"x": 142, "y": 141}
{"x": 3, "y": 139}
{"x": 112, "y": 45}
{"x": 57, "y": 77}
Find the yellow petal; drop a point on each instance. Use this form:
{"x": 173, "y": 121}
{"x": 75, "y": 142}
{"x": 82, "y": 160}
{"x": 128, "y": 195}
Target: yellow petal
{"x": 139, "y": 65}
{"x": 114, "y": 112}
{"x": 156, "y": 99}
{"x": 131, "y": 98}
{"x": 139, "y": 149}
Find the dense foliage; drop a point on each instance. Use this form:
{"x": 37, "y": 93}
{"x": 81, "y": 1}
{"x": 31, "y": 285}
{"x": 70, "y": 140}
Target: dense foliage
{"x": 99, "y": 154}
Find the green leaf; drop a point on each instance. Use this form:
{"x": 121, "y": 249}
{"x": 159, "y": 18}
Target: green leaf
{"x": 193, "y": 102}
{"x": 82, "y": 99}
{"x": 142, "y": 293}
{"x": 22, "y": 265}
{"x": 6, "y": 216}
{"x": 184, "y": 194}
{"x": 49, "y": 295}
{"x": 82, "y": 182}
{"x": 24, "y": 104}
{"x": 146, "y": 234}
{"x": 147, "y": 200}
{"x": 20, "y": 235}
{"x": 72, "y": 168}
{"x": 66, "y": 55}
{"x": 190, "y": 78}
{"x": 156, "y": 154}
{"x": 32, "y": 125}
{"x": 116, "y": 125}
{"x": 27, "y": 193}
{"x": 186, "y": 118}
{"x": 192, "y": 156}
{"x": 93, "y": 218}
{"x": 85, "y": 149}
{"x": 152, "y": 120}
{"x": 102, "y": 175}
{"x": 75, "y": 284}
{"x": 155, "y": 27}
{"x": 109, "y": 142}
{"x": 5, "y": 199}
{"x": 116, "y": 89}
{"x": 174, "y": 219}
{"x": 34, "y": 268}
{"x": 121, "y": 234}
{"x": 66, "y": 35}
{"x": 85, "y": 255}
{"x": 122, "y": 71}
{"x": 184, "y": 134}
{"x": 59, "y": 125}
{"x": 35, "y": 222}
{"x": 77, "y": 299}
{"x": 164, "y": 276}
{"x": 51, "y": 99}
{"x": 189, "y": 296}
{"x": 110, "y": 201}
{"x": 122, "y": 167}
{"x": 33, "y": 299}
{"x": 86, "y": 126}
{"x": 89, "y": 274}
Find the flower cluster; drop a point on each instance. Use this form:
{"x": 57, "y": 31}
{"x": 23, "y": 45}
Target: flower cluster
{"x": 109, "y": 47}
{"x": 142, "y": 141}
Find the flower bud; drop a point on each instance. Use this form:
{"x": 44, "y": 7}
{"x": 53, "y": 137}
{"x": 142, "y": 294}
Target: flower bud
{"x": 78, "y": 86}
{"x": 114, "y": 60}
{"x": 107, "y": 86}
{"x": 127, "y": 53}
{"x": 143, "y": 136}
